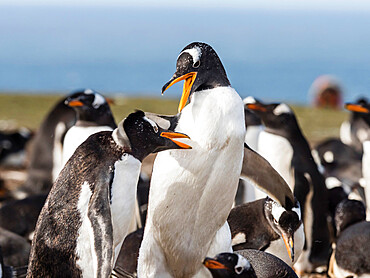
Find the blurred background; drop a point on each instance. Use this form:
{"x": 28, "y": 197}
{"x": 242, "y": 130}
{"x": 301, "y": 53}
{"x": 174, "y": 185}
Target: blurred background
{"x": 271, "y": 49}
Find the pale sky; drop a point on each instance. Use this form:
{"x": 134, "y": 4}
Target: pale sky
{"x": 335, "y": 5}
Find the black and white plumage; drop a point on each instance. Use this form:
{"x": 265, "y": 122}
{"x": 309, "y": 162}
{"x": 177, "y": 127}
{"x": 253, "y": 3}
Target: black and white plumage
{"x": 264, "y": 265}
{"x": 93, "y": 115}
{"x": 183, "y": 186}
{"x": 90, "y": 206}
{"x": 285, "y": 147}
{"x": 354, "y": 131}
{"x": 351, "y": 255}
{"x": 13, "y": 147}
{"x": 46, "y": 150}
{"x": 265, "y": 225}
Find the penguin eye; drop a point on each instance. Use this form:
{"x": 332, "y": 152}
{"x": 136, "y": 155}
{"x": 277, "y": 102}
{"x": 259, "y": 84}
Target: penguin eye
{"x": 196, "y": 64}
{"x": 155, "y": 129}
{"x": 276, "y": 222}
{"x": 239, "y": 269}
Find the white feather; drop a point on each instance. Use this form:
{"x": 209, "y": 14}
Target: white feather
{"x": 366, "y": 174}
{"x": 58, "y": 150}
{"x": 195, "y": 53}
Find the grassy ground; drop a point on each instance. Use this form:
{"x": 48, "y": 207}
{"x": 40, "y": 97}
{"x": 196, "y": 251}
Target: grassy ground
{"x": 29, "y": 110}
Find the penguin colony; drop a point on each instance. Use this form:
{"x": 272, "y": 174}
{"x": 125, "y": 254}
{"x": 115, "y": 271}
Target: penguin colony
{"x": 301, "y": 211}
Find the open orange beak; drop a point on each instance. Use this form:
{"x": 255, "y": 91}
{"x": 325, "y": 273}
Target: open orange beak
{"x": 189, "y": 81}
{"x": 356, "y": 108}
{"x": 174, "y": 135}
{"x": 74, "y": 103}
{"x": 256, "y": 107}
{"x": 289, "y": 245}
{"x": 213, "y": 264}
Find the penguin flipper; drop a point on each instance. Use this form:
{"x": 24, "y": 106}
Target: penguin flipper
{"x": 99, "y": 214}
{"x": 260, "y": 173}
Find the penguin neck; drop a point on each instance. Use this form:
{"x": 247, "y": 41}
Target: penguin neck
{"x": 98, "y": 118}
{"x": 121, "y": 139}
{"x": 218, "y": 80}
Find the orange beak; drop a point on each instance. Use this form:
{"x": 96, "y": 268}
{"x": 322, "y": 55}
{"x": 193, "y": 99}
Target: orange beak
{"x": 189, "y": 81}
{"x": 256, "y": 107}
{"x": 173, "y": 135}
{"x": 356, "y": 108}
{"x": 289, "y": 245}
{"x": 74, "y": 103}
{"x": 109, "y": 100}
{"x": 213, "y": 264}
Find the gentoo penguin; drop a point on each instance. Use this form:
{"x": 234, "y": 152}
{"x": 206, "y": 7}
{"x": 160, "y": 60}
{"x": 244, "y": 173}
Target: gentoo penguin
{"x": 283, "y": 144}
{"x": 354, "y": 131}
{"x": 365, "y": 110}
{"x": 93, "y": 115}
{"x": 263, "y": 264}
{"x": 20, "y": 216}
{"x": 246, "y": 191}
{"x": 46, "y": 150}
{"x": 88, "y": 211}
{"x": 265, "y": 225}
{"x": 182, "y": 227}
{"x": 228, "y": 265}
{"x": 351, "y": 255}
{"x": 13, "y": 147}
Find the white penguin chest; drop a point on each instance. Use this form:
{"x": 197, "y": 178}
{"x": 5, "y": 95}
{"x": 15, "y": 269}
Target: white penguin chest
{"x": 279, "y": 153}
{"x": 123, "y": 197}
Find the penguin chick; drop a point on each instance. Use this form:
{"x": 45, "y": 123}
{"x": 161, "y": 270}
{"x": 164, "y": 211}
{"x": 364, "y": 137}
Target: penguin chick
{"x": 351, "y": 255}
{"x": 265, "y": 225}
{"x": 88, "y": 211}
{"x": 228, "y": 265}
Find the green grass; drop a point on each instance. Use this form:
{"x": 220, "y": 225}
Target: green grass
{"x": 29, "y": 111}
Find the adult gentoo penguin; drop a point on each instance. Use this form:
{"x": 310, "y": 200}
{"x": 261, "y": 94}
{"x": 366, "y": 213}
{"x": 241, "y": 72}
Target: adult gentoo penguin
{"x": 192, "y": 193}
{"x": 87, "y": 214}
{"x": 351, "y": 255}
{"x": 364, "y": 109}
{"x": 93, "y": 115}
{"x": 283, "y": 143}
{"x": 248, "y": 263}
{"x": 267, "y": 226}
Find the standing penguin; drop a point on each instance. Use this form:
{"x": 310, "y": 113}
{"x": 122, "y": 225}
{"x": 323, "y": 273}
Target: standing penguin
{"x": 192, "y": 193}
{"x": 86, "y": 216}
{"x": 364, "y": 109}
{"x": 93, "y": 115}
{"x": 267, "y": 226}
{"x": 283, "y": 144}
{"x": 354, "y": 131}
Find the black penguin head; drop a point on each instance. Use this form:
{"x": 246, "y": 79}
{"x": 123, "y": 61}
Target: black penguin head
{"x": 284, "y": 222}
{"x": 229, "y": 265}
{"x": 278, "y": 118}
{"x": 251, "y": 118}
{"x": 347, "y": 213}
{"x": 360, "y": 109}
{"x": 143, "y": 136}
{"x": 90, "y": 106}
{"x": 201, "y": 68}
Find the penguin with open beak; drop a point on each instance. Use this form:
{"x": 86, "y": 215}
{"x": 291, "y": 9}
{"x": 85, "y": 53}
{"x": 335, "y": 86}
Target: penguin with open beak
{"x": 89, "y": 209}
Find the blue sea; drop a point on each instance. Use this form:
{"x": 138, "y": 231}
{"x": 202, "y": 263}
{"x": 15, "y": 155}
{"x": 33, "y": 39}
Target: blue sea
{"x": 274, "y": 55}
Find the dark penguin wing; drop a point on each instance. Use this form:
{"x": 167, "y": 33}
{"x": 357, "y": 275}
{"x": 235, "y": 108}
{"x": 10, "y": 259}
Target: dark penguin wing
{"x": 55, "y": 241}
{"x": 260, "y": 173}
{"x": 266, "y": 265}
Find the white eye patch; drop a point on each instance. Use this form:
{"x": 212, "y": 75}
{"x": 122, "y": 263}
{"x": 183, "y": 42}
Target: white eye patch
{"x": 98, "y": 100}
{"x": 194, "y": 52}
{"x": 281, "y": 109}
{"x": 241, "y": 265}
{"x": 277, "y": 210}
{"x": 297, "y": 211}
{"x": 249, "y": 99}
{"x": 154, "y": 125}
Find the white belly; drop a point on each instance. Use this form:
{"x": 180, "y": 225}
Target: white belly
{"x": 192, "y": 191}
{"x": 251, "y": 136}
{"x": 279, "y": 153}
{"x": 366, "y": 175}
{"x": 76, "y": 135}
{"x": 123, "y": 200}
